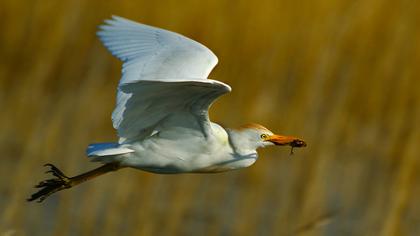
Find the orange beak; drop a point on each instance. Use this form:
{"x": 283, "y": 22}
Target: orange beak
{"x": 286, "y": 141}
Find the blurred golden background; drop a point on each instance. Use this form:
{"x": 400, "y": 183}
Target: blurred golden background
{"x": 344, "y": 75}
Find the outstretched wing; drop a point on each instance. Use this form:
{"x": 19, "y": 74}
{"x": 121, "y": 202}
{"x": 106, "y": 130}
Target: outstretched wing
{"x": 164, "y": 78}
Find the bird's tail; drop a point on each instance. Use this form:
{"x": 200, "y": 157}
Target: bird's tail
{"x": 50, "y": 186}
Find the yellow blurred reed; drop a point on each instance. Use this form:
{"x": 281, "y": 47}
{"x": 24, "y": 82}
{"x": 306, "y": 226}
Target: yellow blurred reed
{"x": 342, "y": 74}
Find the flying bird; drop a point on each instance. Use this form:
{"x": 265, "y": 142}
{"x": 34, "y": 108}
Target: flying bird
{"x": 161, "y": 114}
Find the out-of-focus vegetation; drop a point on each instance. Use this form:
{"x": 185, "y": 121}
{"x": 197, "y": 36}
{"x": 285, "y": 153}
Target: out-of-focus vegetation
{"x": 344, "y": 75}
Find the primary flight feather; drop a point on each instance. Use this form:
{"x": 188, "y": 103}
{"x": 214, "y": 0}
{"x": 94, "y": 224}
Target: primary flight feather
{"x": 161, "y": 115}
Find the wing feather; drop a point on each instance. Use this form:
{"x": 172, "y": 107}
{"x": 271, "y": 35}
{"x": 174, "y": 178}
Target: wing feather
{"x": 164, "y": 75}
{"x": 150, "y": 53}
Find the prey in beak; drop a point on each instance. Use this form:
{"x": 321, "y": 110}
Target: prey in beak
{"x": 286, "y": 141}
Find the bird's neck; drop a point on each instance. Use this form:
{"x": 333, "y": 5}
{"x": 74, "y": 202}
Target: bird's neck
{"x": 240, "y": 143}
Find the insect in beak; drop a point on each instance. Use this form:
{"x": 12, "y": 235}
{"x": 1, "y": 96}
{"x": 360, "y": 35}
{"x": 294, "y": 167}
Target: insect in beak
{"x": 287, "y": 141}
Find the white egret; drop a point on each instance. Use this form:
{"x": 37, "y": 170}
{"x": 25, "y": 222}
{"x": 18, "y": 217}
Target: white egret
{"x": 161, "y": 114}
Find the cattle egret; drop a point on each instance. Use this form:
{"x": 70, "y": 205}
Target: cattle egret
{"x": 161, "y": 114}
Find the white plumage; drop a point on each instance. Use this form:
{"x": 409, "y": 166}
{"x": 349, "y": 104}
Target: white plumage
{"x": 164, "y": 73}
{"x": 161, "y": 114}
{"x": 162, "y": 105}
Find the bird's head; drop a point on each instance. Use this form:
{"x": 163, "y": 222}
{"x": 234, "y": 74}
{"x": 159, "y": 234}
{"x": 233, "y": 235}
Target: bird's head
{"x": 254, "y": 136}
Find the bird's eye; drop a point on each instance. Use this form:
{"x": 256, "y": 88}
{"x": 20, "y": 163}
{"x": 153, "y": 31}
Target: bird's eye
{"x": 264, "y": 136}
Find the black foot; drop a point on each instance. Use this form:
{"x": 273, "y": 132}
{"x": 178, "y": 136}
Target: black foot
{"x": 51, "y": 186}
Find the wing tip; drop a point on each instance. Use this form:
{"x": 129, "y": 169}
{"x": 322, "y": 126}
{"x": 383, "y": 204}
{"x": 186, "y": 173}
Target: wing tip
{"x": 226, "y": 87}
{"x": 113, "y": 23}
{"x": 106, "y": 149}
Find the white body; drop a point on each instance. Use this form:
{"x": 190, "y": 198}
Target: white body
{"x": 162, "y": 106}
{"x": 175, "y": 151}
{"x": 182, "y": 153}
